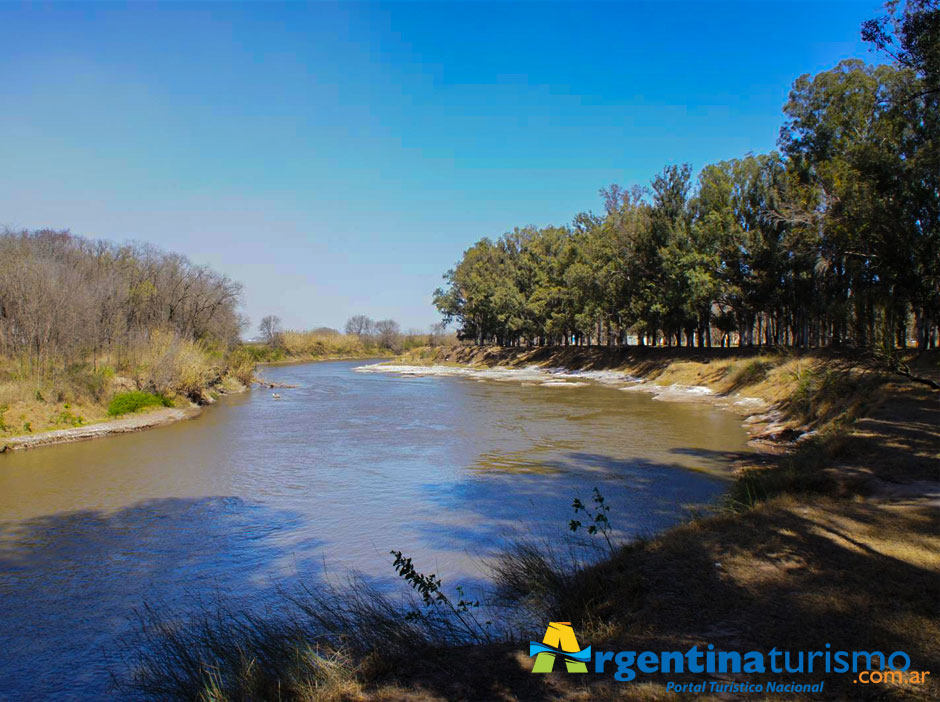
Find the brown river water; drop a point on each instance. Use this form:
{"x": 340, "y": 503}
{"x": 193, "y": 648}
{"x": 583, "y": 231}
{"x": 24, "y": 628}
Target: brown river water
{"x": 257, "y": 492}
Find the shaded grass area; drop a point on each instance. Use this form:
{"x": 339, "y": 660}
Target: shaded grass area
{"x": 834, "y": 541}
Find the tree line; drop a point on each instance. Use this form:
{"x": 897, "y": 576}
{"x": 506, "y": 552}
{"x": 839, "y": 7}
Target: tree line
{"x": 65, "y": 299}
{"x": 834, "y": 239}
{"x": 369, "y": 334}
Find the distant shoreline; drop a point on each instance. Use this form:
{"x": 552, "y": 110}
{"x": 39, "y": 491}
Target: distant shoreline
{"x": 296, "y": 360}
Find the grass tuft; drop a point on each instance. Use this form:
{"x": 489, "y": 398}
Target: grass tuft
{"x": 319, "y": 645}
{"x": 126, "y": 402}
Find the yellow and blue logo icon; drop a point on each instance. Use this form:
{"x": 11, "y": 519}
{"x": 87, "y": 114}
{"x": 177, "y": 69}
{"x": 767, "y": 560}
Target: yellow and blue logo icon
{"x": 559, "y": 640}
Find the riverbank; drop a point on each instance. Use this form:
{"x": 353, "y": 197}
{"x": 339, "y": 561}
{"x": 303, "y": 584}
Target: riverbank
{"x": 829, "y": 539}
{"x": 79, "y": 409}
{"x": 135, "y": 422}
{"x": 833, "y": 541}
{"x": 99, "y": 425}
{"x": 310, "y": 358}
{"x": 784, "y": 397}
{"x": 88, "y": 419}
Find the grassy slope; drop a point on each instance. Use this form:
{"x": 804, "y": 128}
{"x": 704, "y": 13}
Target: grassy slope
{"x": 842, "y": 548}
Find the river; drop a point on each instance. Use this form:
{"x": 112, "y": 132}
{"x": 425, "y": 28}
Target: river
{"x": 348, "y": 465}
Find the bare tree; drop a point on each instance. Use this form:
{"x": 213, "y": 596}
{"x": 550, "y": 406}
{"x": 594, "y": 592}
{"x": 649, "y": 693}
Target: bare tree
{"x": 436, "y": 334}
{"x": 270, "y": 328}
{"x": 360, "y": 325}
{"x": 389, "y": 334}
{"x": 66, "y": 300}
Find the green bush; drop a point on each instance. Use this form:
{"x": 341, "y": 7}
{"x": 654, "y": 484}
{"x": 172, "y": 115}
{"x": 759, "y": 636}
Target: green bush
{"x": 125, "y": 402}
{"x": 67, "y": 417}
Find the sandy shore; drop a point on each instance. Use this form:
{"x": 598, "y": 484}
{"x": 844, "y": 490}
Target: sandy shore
{"x": 136, "y": 422}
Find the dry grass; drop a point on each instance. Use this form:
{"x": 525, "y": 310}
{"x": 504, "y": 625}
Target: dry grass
{"x": 241, "y": 366}
{"x": 65, "y": 396}
{"x": 69, "y": 398}
{"x": 791, "y": 573}
{"x": 327, "y": 345}
{"x": 28, "y": 416}
{"x": 316, "y": 344}
{"x": 166, "y": 364}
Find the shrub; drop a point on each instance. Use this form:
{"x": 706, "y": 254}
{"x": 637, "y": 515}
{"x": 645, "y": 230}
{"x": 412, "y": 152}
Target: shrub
{"x": 125, "y": 402}
{"x": 193, "y": 369}
{"x": 167, "y": 363}
{"x": 241, "y": 365}
{"x": 315, "y": 647}
{"x": 66, "y": 416}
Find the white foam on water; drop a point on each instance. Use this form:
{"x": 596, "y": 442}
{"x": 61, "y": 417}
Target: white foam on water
{"x": 547, "y": 378}
{"x": 533, "y": 375}
{"x": 750, "y": 402}
{"x": 671, "y": 393}
{"x": 681, "y": 393}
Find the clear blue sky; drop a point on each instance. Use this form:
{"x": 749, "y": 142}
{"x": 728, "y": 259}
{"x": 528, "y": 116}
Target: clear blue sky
{"x": 338, "y": 159}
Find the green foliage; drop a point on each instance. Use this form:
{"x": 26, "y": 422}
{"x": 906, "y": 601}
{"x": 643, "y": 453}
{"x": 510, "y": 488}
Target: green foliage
{"x": 429, "y": 588}
{"x": 597, "y": 516}
{"x": 833, "y": 241}
{"x": 909, "y": 34}
{"x": 262, "y": 353}
{"x": 126, "y": 402}
{"x": 66, "y": 416}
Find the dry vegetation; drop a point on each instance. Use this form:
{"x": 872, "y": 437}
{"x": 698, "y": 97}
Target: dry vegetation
{"x": 163, "y": 364}
{"x": 330, "y": 344}
{"x": 82, "y": 321}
